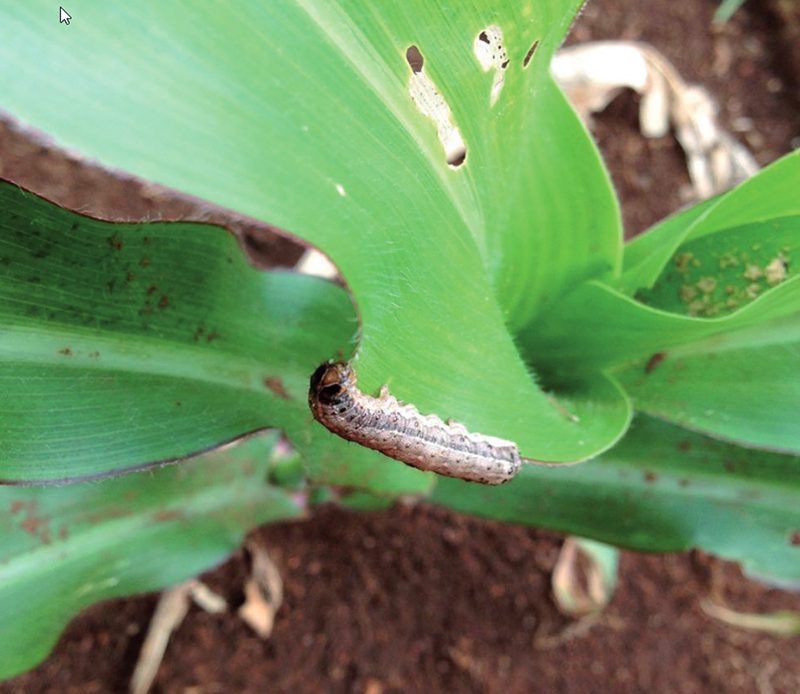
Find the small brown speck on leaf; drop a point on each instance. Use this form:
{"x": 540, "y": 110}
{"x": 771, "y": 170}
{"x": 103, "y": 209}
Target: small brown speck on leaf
{"x": 34, "y": 524}
{"x": 163, "y": 302}
{"x": 67, "y": 352}
{"x": 654, "y": 361}
{"x": 794, "y": 539}
{"x": 144, "y": 262}
{"x": 650, "y": 476}
{"x": 275, "y": 384}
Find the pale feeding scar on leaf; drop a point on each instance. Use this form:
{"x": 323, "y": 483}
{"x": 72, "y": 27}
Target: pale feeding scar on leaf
{"x": 431, "y": 104}
{"x": 491, "y": 54}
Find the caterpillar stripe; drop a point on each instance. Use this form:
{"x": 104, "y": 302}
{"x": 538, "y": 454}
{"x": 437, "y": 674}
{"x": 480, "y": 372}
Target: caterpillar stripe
{"x": 401, "y": 432}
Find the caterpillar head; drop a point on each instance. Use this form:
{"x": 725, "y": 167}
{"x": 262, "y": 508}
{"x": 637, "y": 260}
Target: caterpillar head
{"x": 329, "y": 383}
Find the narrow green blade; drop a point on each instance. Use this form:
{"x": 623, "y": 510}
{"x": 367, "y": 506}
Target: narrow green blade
{"x": 661, "y": 489}
{"x": 63, "y": 548}
{"x": 126, "y": 344}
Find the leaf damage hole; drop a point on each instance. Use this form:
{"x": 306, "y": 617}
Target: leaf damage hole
{"x": 415, "y": 59}
{"x": 492, "y": 55}
{"x": 529, "y": 55}
{"x": 432, "y": 105}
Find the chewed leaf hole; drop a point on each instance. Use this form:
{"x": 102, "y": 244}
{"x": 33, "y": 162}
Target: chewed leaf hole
{"x": 431, "y": 104}
{"x": 529, "y": 55}
{"x": 492, "y": 55}
{"x": 415, "y": 59}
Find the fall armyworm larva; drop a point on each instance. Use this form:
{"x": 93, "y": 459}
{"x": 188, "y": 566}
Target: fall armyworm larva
{"x": 401, "y": 432}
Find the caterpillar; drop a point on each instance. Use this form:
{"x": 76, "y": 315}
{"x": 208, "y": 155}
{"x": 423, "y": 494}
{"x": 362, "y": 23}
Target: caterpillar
{"x": 399, "y": 431}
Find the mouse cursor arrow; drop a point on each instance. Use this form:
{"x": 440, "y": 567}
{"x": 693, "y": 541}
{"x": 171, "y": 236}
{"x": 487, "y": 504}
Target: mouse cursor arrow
{"x": 63, "y": 16}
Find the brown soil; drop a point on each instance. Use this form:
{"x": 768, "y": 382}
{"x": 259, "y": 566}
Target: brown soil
{"x": 750, "y": 65}
{"x": 421, "y": 600}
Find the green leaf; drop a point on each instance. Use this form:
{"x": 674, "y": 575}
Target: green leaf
{"x": 735, "y": 277}
{"x": 661, "y": 489}
{"x": 716, "y": 274}
{"x": 598, "y": 327}
{"x": 770, "y": 194}
{"x": 726, "y": 10}
{"x": 309, "y": 124}
{"x": 126, "y": 344}
{"x": 741, "y": 387}
{"x": 567, "y": 227}
{"x": 647, "y": 254}
{"x": 63, "y": 548}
